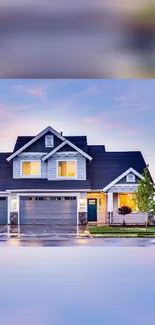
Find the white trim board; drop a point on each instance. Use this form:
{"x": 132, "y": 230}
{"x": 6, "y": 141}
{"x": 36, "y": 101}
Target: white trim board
{"x": 130, "y": 170}
{"x": 71, "y": 145}
{"x": 37, "y": 137}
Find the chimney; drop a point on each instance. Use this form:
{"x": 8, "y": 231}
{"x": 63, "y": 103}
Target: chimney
{"x": 61, "y": 133}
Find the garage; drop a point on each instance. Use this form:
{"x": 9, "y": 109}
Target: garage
{"x": 48, "y": 210}
{"x": 3, "y": 210}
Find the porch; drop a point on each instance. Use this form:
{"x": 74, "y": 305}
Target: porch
{"x": 116, "y": 201}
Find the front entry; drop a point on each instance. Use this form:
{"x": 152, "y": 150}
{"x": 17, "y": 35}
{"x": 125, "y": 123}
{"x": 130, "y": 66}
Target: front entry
{"x": 92, "y": 210}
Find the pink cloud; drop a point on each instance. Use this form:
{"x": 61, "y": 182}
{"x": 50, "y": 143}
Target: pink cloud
{"x": 92, "y": 120}
{"x": 41, "y": 94}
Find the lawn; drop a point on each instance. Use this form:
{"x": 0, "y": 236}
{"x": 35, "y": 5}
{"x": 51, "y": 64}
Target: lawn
{"x": 110, "y": 231}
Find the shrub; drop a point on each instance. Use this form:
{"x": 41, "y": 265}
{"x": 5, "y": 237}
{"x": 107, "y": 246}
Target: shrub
{"x": 124, "y": 210}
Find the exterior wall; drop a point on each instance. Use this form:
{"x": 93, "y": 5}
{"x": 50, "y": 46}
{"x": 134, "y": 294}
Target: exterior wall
{"x": 133, "y": 218}
{"x": 81, "y": 165}
{"x": 17, "y": 166}
{"x": 101, "y": 208}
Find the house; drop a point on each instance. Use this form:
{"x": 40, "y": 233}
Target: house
{"x": 55, "y": 179}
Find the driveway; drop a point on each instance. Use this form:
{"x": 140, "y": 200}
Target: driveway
{"x": 40, "y": 232}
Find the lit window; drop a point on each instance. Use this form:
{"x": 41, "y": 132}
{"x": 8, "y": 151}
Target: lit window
{"x": 127, "y": 200}
{"x": 67, "y": 169}
{"x": 31, "y": 168}
{"x": 49, "y": 140}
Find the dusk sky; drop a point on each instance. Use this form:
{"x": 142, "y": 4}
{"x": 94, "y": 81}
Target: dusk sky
{"x": 117, "y": 113}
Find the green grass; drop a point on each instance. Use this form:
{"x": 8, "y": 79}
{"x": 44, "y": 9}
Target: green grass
{"x": 107, "y": 231}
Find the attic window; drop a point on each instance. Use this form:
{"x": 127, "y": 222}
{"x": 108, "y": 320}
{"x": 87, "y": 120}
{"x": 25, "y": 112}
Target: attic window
{"x": 130, "y": 178}
{"x": 49, "y": 140}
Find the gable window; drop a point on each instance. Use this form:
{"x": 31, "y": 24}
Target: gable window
{"x": 31, "y": 168}
{"x": 66, "y": 168}
{"x": 49, "y": 140}
{"x": 130, "y": 178}
{"x": 127, "y": 200}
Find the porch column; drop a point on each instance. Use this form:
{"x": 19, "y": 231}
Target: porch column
{"x": 110, "y": 207}
{"x": 82, "y": 209}
{"x": 13, "y": 209}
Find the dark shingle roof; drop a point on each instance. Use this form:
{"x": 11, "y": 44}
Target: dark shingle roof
{"x": 79, "y": 141}
{"x": 107, "y": 166}
{"x": 101, "y": 171}
{"x": 21, "y": 141}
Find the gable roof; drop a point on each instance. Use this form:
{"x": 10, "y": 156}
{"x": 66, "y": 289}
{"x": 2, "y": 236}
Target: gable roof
{"x": 71, "y": 145}
{"x": 107, "y": 166}
{"x": 130, "y": 170}
{"x": 34, "y": 139}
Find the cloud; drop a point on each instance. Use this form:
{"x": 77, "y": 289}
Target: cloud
{"x": 37, "y": 92}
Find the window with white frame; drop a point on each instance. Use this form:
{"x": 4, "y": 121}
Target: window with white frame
{"x": 67, "y": 169}
{"x": 130, "y": 178}
{"x": 127, "y": 200}
{"x": 30, "y": 168}
{"x": 49, "y": 140}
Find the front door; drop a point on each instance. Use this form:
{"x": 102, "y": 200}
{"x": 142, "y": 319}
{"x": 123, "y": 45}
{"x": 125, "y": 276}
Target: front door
{"x": 92, "y": 210}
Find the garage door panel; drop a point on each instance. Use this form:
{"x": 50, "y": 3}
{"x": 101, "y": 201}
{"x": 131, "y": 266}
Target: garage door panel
{"x": 48, "y": 210}
{"x": 3, "y": 211}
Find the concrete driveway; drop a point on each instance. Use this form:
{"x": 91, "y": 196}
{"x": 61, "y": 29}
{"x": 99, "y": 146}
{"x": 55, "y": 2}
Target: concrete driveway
{"x": 41, "y": 231}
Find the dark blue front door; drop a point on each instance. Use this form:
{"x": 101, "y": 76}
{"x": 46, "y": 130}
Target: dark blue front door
{"x": 92, "y": 210}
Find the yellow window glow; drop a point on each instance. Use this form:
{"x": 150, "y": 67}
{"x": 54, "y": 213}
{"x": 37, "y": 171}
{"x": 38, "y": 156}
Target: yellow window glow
{"x": 35, "y": 168}
{"x": 71, "y": 169}
{"x": 66, "y": 168}
{"x": 26, "y": 168}
{"x": 62, "y": 168}
{"x": 31, "y": 168}
{"x": 127, "y": 200}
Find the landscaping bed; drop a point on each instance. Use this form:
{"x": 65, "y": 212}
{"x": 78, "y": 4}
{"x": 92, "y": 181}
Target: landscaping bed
{"x": 110, "y": 231}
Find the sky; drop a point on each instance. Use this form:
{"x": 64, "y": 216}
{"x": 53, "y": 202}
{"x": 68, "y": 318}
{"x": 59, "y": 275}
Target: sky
{"x": 117, "y": 113}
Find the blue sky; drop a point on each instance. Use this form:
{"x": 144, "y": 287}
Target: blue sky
{"x": 117, "y": 113}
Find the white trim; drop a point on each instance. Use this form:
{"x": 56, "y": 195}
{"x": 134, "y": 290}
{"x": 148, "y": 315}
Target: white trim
{"x": 8, "y": 212}
{"x": 37, "y": 137}
{"x": 71, "y": 145}
{"x": 66, "y": 153}
{"x": 66, "y": 177}
{"x": 25, "y": 154}
{"x": 30, "y": 176}
{"x": 121, "y": 176}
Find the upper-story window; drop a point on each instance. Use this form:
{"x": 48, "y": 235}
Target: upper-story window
{"x": 67, "y": 169}
{"x": 30, "y": 168}
{"x": 49, "y": 140}
{"x": 130, "y": 178}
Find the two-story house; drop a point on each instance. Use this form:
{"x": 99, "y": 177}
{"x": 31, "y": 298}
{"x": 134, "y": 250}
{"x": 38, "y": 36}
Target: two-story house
{"x": 55, "y": 179}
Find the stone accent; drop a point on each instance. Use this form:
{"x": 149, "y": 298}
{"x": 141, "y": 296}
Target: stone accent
{"x": 13, "y": 218}
{"x": 17, "y": 165}
{"x": 81, "y": 165}
{"x": 83, "y": 218}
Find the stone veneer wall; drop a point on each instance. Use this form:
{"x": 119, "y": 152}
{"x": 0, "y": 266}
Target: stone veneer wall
{"x": 13, "y": 218}
{"x": 83, "y": 218}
